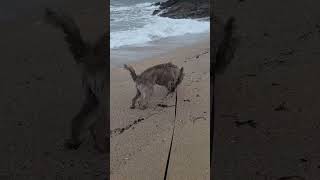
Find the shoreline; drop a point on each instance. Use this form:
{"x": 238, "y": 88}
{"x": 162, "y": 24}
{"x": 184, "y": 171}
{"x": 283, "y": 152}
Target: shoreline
{"x": 140, "y": 139}
{"x": 157, "y": 48}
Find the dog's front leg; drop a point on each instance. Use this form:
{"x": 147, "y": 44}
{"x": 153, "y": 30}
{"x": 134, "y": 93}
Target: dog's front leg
{"x": 142, "y": 103}
{"x": 82, "y": 121}
{"x": 134, "y": 99}
{"x": 102, "y": 127}
{"x": 171, "y": 88}
{"x": 146, "y": 94}
{"x": 170, "y": 92}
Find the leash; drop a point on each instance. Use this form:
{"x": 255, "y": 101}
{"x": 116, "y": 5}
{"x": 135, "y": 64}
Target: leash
{"x": 174, "y": 125}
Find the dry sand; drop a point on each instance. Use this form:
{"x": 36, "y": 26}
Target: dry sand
{"x": 140, "y": 150}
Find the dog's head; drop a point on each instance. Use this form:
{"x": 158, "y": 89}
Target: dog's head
{"x": 180, "y": 77}
{"x": 174, "y": 84}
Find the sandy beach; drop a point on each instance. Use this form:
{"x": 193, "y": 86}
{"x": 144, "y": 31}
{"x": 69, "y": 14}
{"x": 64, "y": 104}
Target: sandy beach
{"x": 272, "y": 83}
{"x": 267, "y": 117}
{"x": 41, "y": 91}
{"x": 141, "y": 138}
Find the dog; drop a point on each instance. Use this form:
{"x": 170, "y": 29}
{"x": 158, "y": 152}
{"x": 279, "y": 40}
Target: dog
{"x": 91, "y": 59}
{"x": 225, "y": 43}
{"x": 167, "y": 75}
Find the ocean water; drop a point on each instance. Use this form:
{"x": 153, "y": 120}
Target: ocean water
{"x": 135, "y": 33}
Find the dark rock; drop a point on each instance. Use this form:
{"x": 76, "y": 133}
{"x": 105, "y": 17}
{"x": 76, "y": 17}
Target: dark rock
{"x": 182, "y": 9}
{"x": 156, "y": 11}
{"x": 157, "y": 4}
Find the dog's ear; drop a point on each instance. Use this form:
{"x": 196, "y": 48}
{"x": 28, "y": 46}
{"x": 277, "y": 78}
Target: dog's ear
{"x": 181, "y": 70}
{"x": 180, "y": 77}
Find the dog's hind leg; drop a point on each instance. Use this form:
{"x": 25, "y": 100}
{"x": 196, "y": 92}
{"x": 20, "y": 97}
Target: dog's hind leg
{"x": 134, "y": 99}
{"x": 82, "y": 121}
{"x": 93, "y": 132}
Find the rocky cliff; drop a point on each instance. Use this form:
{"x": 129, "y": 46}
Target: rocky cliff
{"x": 181, "y": 9}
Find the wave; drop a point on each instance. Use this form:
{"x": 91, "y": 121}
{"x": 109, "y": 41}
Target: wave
{"x": 152, "y": 28}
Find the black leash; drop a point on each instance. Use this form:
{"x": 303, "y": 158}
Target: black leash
{"x": 174, "y": 125}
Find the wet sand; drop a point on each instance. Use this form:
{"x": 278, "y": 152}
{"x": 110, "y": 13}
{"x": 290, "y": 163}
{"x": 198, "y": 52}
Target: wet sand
{"x": 141, "y": 138}
{"x": 135, "y": 53}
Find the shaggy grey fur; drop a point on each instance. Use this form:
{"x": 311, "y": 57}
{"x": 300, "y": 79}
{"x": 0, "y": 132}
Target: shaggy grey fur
{"x": 167, "y": 75}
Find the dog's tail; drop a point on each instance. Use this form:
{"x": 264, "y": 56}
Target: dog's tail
{"x": 72, "y": 33}
{"x": 227, "y": 47}
{"x": 180, "y": 77}
{"x": 131, "y": 70}
{"x": 229, "y": 26}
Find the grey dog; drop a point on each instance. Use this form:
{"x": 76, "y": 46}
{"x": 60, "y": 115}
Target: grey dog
{"x": 91, "y": 59}
{"x": 167, "y": 75}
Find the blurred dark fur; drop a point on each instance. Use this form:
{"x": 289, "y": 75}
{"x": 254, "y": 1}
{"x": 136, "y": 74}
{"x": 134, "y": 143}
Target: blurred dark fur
{"x": 225, "y": 43}
{"x": 91, "y": 59}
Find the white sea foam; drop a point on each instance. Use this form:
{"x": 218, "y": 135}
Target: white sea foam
{"x": 139, "y": 26}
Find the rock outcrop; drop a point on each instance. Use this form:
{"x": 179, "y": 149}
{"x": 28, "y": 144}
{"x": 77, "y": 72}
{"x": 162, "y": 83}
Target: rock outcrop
{"x": 182, "y": 9}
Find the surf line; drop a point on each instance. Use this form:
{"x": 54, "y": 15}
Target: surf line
{"x": 174, "y": 126}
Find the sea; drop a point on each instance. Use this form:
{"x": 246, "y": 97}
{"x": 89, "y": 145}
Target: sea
{"x": 136, "y": 34}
